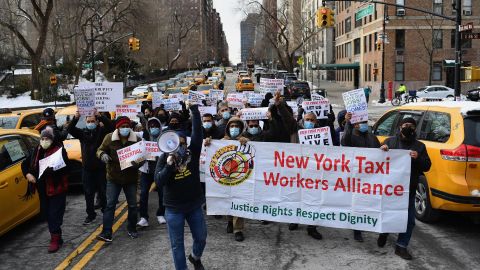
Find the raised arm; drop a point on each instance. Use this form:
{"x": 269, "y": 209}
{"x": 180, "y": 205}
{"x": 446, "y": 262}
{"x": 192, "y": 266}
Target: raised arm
{"x": 197, "y": 132}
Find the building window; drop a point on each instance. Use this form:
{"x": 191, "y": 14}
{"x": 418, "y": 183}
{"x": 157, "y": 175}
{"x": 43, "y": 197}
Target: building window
{"x": 348, "y": 25}
{"x": 437, "y": 71}
{"x": 467, "y": 7}
{"x": 399, "y": 71}
{"x": 365, "y": 71}
{"x": 356, "y": 46}
{"x": 365, "y": 44}
{"x": 358, "y": 23}
{"x": 370, "y": 43}
{"x": 399, "y": 39}
{"x": 437, "y": 41}
{"x": 438, "y": 6}
{"x": 401, "y": 3}
{"x": 369, "y": 72}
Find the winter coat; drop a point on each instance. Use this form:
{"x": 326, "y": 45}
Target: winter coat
{"x": 281, "y": 126}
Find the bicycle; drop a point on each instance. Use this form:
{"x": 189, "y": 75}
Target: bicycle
{"x": 406, "y": 98}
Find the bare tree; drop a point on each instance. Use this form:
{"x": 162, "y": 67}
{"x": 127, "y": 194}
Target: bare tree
{"x": 15, "y": 15}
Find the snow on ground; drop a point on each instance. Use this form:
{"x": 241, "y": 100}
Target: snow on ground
{"x": 24, "y": 101}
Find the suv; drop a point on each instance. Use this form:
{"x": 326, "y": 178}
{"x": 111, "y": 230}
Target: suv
{"x": 298, "y": 89}
{"x": 451, "y": 133}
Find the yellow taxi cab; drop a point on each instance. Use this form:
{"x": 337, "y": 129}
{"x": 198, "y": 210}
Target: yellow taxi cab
{"x": 229, "y": 70}
{"x": 185, "y": 86}
{"x": 17, "y": 203}
{"x": 244, "y": 84}
{"x": 451, "y": 133}
{"x": 10, "y": 119}
{"x": 213, "y": 81}
{"x": 219, "y": 75}
{"x": 205, "y": 88}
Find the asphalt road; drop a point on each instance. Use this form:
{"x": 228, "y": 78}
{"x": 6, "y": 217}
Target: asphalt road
{"x": 452, "y": 243}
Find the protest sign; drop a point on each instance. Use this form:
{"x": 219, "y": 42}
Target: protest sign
{"x": 195, "y": 97}
{"x": 356, "y": 103}
{"x": 342, "y": 187}
{"x": 316, "y": 136}
{"x": 321, "y": 108}
{"x": 157, "y": 98}
{"x": 271, "y": 86}
{"x": 151, "y": 150}
{"x": 85, "y": 99}
{"x": 235, "y": 100}
{"x": 135, "y": 152}
{"x": 54, "y": 161}
{"x": 255, "y": 99}
{"x": 179, "y": 96}
{"x": 207, "y": 109}
{"x": 294, "y": 106}
{"x": 315, "y": 97}
{"x": 130, "y": 110}
{"x": 216, "y": 94}
{"x": 108, "y": 95}
{"x": 172, "y": 104}
{"x": 254, "y": 114}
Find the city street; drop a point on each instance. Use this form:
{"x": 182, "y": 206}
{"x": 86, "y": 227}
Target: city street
{"x": 452, "y": 243}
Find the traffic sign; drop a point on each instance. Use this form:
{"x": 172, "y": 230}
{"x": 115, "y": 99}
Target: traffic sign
{"x": 470, "y": 35}
{"x": 466, "y": 27}
{"x": 364, "y": 12}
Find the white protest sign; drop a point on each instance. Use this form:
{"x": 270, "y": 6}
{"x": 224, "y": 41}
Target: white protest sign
{"x": 321, "y": 108}
{"x": 356, "y": 103}
{"x": 316, "y": 136}
{"x": 14, "y": 150}
{"x": 235, "y": 100}
{"x": 157, "y": 98}
{"x": 108, "y": 95}
{"x": 254, "y": 114}
{"x": 135, "y": 152}
{"x": 85, "y": 99}
{"x": 271, "y": 86}
{"x": 151, "y": 150}
{"x": 179, "y": 96}
{"x": 341, "y": 187}
{"x": 216, "y": 94}
{"x": 54, "y": 161}
{"x": 207, "y": 109}
{"x": 294, "y": 106}
{"x": 255, "y": 99}
{"x": 172, "y": 104}
{"x": 195, "y": 97}
{"x": 316, "y": 97}
{"x": 130, "y": 110}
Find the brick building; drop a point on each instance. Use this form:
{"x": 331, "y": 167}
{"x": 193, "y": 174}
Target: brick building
{"x": 247, "y": 32}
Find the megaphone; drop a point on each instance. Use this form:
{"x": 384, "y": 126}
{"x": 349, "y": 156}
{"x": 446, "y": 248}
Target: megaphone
{"x": 169, "y": 142}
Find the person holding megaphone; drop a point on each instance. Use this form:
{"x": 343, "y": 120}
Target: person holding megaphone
{"x": 178, "y": 173}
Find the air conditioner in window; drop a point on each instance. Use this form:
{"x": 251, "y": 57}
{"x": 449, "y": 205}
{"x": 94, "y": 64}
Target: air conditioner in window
{"x": 467, "y": 12}
{"x": 400, "y": 12}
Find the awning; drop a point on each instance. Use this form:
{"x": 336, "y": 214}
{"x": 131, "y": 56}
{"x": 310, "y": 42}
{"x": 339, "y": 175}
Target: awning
{"x": 338, "y": 66}
{"x": 448, "y": 63}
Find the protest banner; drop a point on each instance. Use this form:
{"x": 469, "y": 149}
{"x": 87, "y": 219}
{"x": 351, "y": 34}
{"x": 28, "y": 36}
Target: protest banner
{"x": 255, "y": 99}
{"x": 135, "y": 152}
{"x": 195, "y": 97}
{"x": 131, "y": 110}
{"x": 271, "y": 86}
{"x": 235, "y": 100}
{"x": 294, "y": 106}
{"x": 152, "y": 150}
{"x": 157, "y": 98}
{"x": 254, "y": 114}
{"x": 108, "y": 95}
{"x": 203, "y": 157}
{"x": 54, "y": 161}
{"x": 342, "y": 187}
{"x": 321, "y": 108}
{"x": 316, "y": 136}
{"x": 172, "y": 104}
{"x": 85, "y": 99}
{"x": 207, "y": 109}
{"x": 356, "y": 103}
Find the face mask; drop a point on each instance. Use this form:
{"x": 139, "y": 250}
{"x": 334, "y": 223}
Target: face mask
{"x": 174, "y": 126}
{"x": 207, "y": 125}
{"x": 91, "y": 126}
{"x": 309, "y": 125}
{"x": 409, "y": 133}
{"x": 154, "y": 131}
{"x": 363, "y": 127}
{"x": 45, "y": 144}
{"x": 162, "y": 118}
{"x": 253, "y": 130}
{"x": 226, "y": 115}
{"x": 124, "y": 132}
{"x": 234, "y": 132}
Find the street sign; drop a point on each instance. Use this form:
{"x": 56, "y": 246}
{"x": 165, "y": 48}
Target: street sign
{"x": 364, "y": 12}
{"x": 470, "y": 35}
{"x": 300, "y": 61}
{"x": 466, "y": 27}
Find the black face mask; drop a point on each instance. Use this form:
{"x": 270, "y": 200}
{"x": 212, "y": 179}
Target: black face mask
{"x": 162, "y": 118}
{"x": 174, "y": 126}
{"x": 408, "y": 133}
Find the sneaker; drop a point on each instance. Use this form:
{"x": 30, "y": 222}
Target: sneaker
{"x": 161, "y": 220}
{"x": 403, "y": 253}
{"x": 382, "y": 239}
{"x": 143, "y": 222}
{"x": 239, "y": 237}
{"x": 197, "y": 264}
{"x": 107, "y": 237}
{"x": 357, "y": 236}
{"x": 230, "y": 227}
{"x": 89, "y": 220}
{"x": 292, "y": 226}
{"x": 314, "y": 233}
{"x": 133, "y": 234}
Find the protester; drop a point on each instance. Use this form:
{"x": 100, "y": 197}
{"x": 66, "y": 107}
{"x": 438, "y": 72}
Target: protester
{"x": 406, "y": 139}
{"x": 179, "y": 176}
{"x": 357, "y": 135}
{"x": 224, "y": 113}
{"x": 152, "y": 133}
{"x": 341, "y": 125}
{"x": 221, "y": 85}
{"x": 280, "y": 125}
{"x": 93, "y": 170}
{"x": 162, "y": 115}
{"x": 325, "y": 122}
{"x": 118, "y": 179}
{"x": 254, "y": 132}
{"x": 48, "y": 120}
{"x": 210, "y": 129}
{"x": 367, "y": 90}
{"x": 51, "y": 185}
{"x": 175, "y": 122}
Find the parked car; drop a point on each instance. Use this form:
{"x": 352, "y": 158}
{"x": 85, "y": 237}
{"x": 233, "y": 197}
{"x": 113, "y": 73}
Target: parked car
{"x": 435, "y": 92}
{"x": 280, "y": 74}
{"x": 450, "y": 131}
{"x": 289, "y": 79}
{"x": 10, "y": 119}
{"x": 474, "y": 94}
{"x": 297, "y": 89}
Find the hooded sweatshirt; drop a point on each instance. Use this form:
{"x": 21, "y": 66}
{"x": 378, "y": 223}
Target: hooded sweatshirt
{"x": 149, "y": 166}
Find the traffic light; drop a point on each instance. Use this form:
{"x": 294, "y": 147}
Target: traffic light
{"x": 53, "y": 80}
{"x": 330, "y": 18}
{"x": 136, "y": 44}
{"x": 379, "y": 46}
{"x": 375, "y": 71}
{"x": 322, "y": 17}
{"x": 131, "y": 43}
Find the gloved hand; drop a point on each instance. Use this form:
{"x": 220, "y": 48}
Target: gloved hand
{"x": 105, "y": 158}
{"x": 170, "y": 160}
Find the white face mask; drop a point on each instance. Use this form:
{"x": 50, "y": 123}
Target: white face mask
{"x": 45, "y": 144}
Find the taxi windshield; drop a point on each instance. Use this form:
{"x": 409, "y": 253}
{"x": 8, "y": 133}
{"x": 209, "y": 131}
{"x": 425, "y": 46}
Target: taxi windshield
{"x": 9, "y": 122}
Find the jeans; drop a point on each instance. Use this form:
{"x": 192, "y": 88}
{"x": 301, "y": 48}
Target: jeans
{"x": 404, "y": 238}
{"x": 55, "y": 210}
{"x": 198, "y": 228}
{"x": 113, "y": 191}
{"x": 94, "y": 181}
{"x": 146, "y": 181}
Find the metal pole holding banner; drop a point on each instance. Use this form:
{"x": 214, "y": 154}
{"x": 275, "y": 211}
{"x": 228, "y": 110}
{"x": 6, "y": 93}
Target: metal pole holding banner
{"x": 458, "y": 48}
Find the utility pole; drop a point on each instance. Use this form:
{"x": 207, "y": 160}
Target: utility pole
{"x": 382, "y": 87}
{"x": 92, "y": 52}
{"x": 458, "y": 48}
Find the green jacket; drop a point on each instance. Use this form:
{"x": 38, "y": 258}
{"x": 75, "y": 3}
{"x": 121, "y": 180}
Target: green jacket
{"x": 109, "y": 146}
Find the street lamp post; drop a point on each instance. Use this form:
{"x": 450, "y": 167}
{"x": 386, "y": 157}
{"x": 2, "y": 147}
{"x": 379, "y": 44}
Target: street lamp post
{"x": 92, "y": 50}
{"x": 382, "y": 87}
{"x": 13, "y": 76}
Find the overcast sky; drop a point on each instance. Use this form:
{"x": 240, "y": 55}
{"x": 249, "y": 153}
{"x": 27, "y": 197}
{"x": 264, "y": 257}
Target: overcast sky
{"x": 231, "y": 18}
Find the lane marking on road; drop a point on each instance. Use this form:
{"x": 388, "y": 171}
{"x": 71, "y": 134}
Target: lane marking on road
{"x": 89, "y": 255}
{"x": 87, "y": 242}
